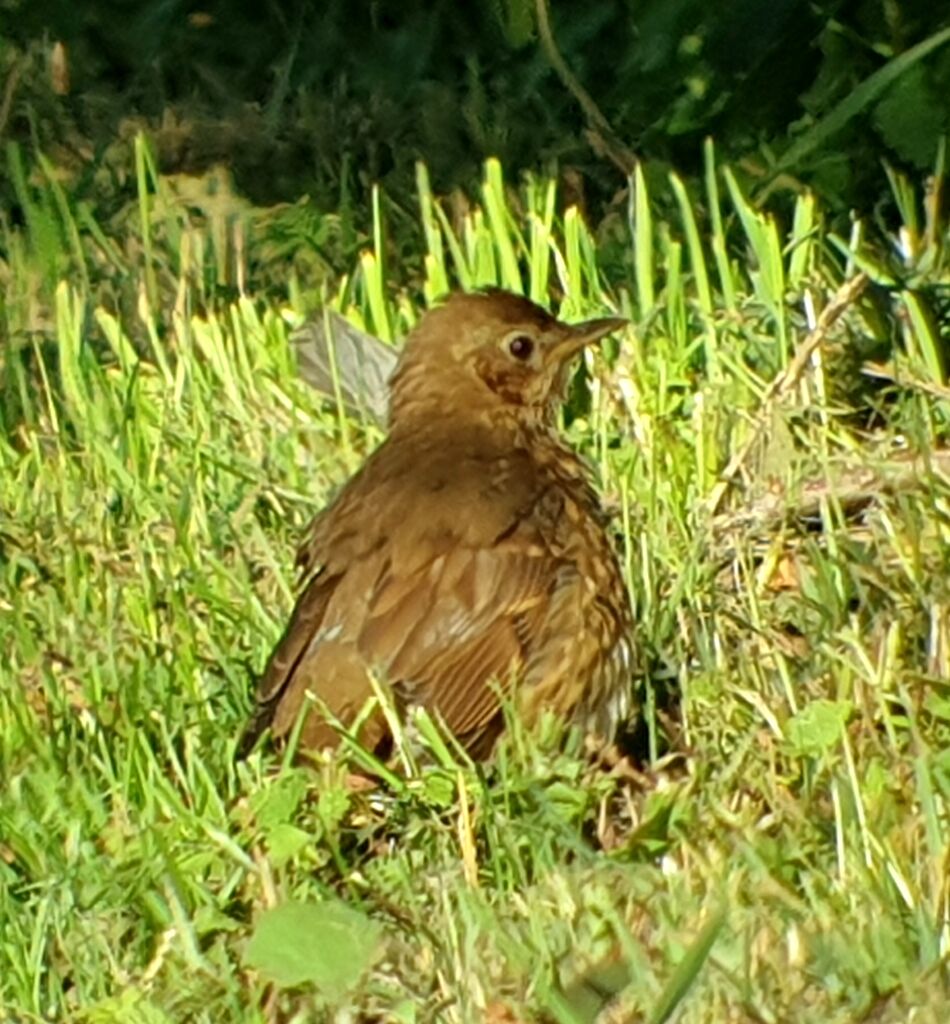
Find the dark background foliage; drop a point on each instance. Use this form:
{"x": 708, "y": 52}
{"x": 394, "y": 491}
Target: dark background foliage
{"x": 327, "y": 98}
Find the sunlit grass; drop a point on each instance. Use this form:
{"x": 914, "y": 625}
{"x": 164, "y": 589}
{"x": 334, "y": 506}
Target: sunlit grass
{"x": 780, "y": 851}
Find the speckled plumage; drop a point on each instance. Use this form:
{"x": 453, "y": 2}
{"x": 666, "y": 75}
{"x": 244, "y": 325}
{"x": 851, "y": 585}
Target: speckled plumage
{"x": 468, "y": 553}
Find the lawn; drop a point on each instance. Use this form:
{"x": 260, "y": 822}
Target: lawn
{"x": 770, "y": 843}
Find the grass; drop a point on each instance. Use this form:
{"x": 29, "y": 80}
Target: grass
{"x": 778, "y": 849}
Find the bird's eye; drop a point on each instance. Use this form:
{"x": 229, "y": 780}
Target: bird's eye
{"x": 521, "y": 347}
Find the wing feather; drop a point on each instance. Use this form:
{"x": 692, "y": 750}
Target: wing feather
{"x": 304, "y": 625}
{"x": 446, "y": 605}
{"x": 446, "y": 634}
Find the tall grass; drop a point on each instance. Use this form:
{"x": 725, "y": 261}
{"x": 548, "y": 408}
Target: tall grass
{"x": 777, "y": 848}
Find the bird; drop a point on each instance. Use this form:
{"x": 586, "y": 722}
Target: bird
{"x": 468, "y": 561}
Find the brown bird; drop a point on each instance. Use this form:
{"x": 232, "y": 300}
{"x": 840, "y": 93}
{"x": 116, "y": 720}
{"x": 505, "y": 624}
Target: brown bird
{"x": 468, "y": 556}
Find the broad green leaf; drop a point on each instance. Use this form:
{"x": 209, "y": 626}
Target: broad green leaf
{"x": 285, "y": 841}
{"x": 328, "y": 945}
{"x": 816, "y": 729}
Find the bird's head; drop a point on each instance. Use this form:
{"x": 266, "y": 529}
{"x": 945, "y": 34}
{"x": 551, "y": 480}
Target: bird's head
{"x": 490, "y": 352}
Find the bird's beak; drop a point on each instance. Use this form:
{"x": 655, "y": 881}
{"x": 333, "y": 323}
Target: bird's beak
{"x": 579, "y": 336}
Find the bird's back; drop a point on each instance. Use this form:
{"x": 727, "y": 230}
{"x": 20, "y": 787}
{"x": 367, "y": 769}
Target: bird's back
{"x": 450, "y": 566}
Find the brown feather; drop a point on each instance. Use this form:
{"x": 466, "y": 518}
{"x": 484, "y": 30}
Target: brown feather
{"x": 468, "y": 554}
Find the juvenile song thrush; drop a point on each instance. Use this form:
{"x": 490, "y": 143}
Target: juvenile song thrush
{"x": 468, "y": 556}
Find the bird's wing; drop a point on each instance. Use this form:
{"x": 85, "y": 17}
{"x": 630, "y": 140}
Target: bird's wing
{"x": 308, "y": 614}
{"x": 458, "y": 630}
{"x": 444, "y": 604}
